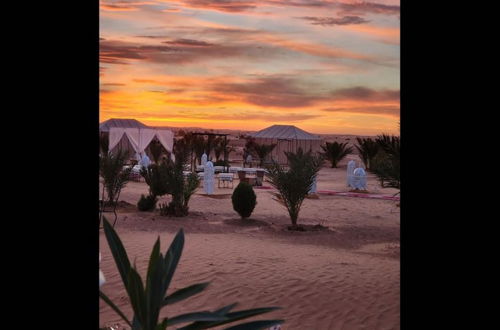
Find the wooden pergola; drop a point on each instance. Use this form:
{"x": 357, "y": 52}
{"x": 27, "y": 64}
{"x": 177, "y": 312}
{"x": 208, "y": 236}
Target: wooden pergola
{"x": 225, "y": 146}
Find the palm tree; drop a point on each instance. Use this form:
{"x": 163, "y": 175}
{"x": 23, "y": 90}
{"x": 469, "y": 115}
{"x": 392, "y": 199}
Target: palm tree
{"x": 367, "y": 149}
{"x": 156, "y": 149}
{"x": 249, "y": 147}
{"x": 335, "y": 152}
{"x": 104, "y": 142}
{"x": 218, "y": 147}
{"x": 386, "y": 165}
{"x": 199, "y": 146}
{"x": 294, "y": 185}
{"x": 263, "y": 150}
{"x": 210, "y": 144}
{"x": 389, "y": 143}
{"x": 115, "y": 177}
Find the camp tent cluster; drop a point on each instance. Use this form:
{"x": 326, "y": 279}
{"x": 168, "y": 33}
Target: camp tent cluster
{"x": 133, "y": 136}
{"x": 287, "y": 138}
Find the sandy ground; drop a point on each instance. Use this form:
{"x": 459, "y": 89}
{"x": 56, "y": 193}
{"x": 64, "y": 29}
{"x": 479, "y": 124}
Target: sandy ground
{"x": 342, "y": 276}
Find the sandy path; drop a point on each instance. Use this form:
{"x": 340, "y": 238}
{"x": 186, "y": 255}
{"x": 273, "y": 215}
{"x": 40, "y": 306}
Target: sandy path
{"x": 318, "y": 287}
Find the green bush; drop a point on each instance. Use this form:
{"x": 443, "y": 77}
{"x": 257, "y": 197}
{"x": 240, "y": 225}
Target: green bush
{"x": 244, "y": 199}
{"x": 148, "y": 297}
{"x": 147, "y": 203}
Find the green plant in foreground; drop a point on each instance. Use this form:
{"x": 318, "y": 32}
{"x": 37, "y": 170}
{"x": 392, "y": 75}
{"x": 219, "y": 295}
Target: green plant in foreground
{"x": 244, "y": 199}
{"x": 148, "y": 299}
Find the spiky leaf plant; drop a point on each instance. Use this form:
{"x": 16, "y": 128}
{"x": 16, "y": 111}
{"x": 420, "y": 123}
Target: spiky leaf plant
{"x": 104, "y": 142}
{"x": 295, "y": 183}
{"x": 263, "y": 150}
{"x": 386, "y": 164}
{"x": 367, "y": 149}
{"x": 335, "y": 152}
{"x": 150, "y": 297}
{"x": 115, "y": 176}
{"x": 156, "y": 149}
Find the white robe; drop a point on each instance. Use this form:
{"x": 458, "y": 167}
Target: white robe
{"x": 208, "y": 178}
{"x": 359, "y": 179}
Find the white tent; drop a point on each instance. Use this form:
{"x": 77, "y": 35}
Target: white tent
{"x": 123, "y": 123}
{"x": 133, "y": 136}
{"x": 287, "y": 138}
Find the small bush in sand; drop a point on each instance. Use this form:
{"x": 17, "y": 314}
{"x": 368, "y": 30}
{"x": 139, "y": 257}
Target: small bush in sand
{"x": 244, "y": 199}
{"x": 147, "y": 299}
{"x": 147, "y": 203}
{"x": 294, "y": 185}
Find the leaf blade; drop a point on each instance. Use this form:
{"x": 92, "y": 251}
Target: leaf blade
{"x": 184, "y": 293}
{"x": 114, "y": 307}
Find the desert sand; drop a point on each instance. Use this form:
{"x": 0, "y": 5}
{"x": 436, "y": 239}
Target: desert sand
{"x": 343, "y": 274}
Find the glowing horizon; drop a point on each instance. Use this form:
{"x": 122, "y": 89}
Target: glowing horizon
{"x": 328, "y": 67}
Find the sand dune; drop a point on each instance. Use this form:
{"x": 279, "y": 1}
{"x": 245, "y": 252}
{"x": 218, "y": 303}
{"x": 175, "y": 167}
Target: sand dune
{"x": 344, "y": 276}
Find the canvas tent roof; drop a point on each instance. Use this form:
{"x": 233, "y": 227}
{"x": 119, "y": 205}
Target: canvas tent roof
{"x": 123, "y": 123}
{"x": 284, "y": 132}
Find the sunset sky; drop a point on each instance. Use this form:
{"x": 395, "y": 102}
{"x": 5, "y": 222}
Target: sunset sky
{"x": 324, "y": 66}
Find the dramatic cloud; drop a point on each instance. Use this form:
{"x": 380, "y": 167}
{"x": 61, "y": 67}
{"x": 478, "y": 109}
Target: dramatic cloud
{"x": 392, "y": 110}
{"x": 231, "y": 117}
{"x": 238, "y": 6}
{"x": 112, "y": 84}
{"x": 346, "y": 20}
{"x": 245, "y": 64}
{"x": 123, "y": 5}
{"x": 272, "y": 92}
{"x": 362, "y": 7}
{"x": 188, "y": 42}
{"x": 183, "y": 52}
{"x": 366, "y": 94}
{"x": 230, "y": 6}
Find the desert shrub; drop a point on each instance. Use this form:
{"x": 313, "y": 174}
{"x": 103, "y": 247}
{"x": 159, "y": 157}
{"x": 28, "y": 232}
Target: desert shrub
{"x": 244, "y": 199}
{"x": 335, "y": 152}
{"x": 147, "y": 203}
{"x": 295, "y": 183}
{"x": 147, "y": 299}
